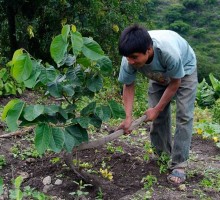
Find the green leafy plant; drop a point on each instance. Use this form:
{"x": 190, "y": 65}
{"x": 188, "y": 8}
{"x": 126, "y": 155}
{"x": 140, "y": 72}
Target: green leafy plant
{"x": 2, "y": 161}
{"x": 163, "y": 161}
{"x": 112, "y": 149}
{"x": 1, "y": 186}
{"x": 205, "y": 94}
{"x": 23, "y": 153}
{"x": 216, "y": 112}
{"x": 80, "y": 67}
{"x": 16, "y": 193}
{"x": 149, "y": 150}
{"x": 208, "y": 131}
{"x": 27, "y": 193}
{"x": 149, "y": 181}
{"x": 215, "y": 84}
{"x": 100, "y": 195}
{"x": 81, "y": 187}
{"x": 7, "y": 85}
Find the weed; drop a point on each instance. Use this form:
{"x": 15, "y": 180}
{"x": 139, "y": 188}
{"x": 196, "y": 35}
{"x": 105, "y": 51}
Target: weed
{"x": 149, "y": 181}
{"x": 1, "y": 186}
{"x": 106, "y": 174}
{"x": 112, "y": 149}
{"x": 55, "y": 160}
{"x": 99, "y": 195}
{"x": 28, "y": 192}
{"x": 149, "y": 150}
{"x": 18, "y": 151}
{"x": 163, "y": 162}
{"x": 2, "y": 161}
{"x": 199, "y": 193}
{"x": 81, "y": 187}
{"x": 211, "y": 180}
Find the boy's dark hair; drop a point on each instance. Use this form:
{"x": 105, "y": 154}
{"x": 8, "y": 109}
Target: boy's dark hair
{"x": 134, "y": 39}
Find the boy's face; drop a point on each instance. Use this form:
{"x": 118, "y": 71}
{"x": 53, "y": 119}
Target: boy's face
{"x": 138, "y": 59}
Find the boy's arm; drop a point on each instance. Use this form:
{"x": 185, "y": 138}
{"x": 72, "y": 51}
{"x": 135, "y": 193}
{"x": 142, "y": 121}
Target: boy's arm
{"x": 152, "y": 113}
{"x": 128, "y": 100}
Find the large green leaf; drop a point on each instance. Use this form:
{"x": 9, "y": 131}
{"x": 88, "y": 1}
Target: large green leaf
{"x": 86, "y": 62}
{"x": 77, "y": 42}
{"x": 103, "y": 112}
{"x": 22, "y": 68}
{"x": 117, "y": 109}
{"x": 58, "y": 48}
{"x": 89, "y": 109}
{"x": 215, "y": 84}
{"x": 33, "y": 111}
{"x": 65, "y": 32}
{"x": 55, "y": 88}
{"x": 56, "y": 139}
{"x": 42, "y": 137}
{"x": 13, "y": 115}
{"x": 95, "y": 121}
{"x": 51, "y": 109}
{"x": 74, "y": 135}
{"x": 75, "y": 75}
{"x": 105, "y": 65}
{"x": 92, "y": 49}
{"x": 48, "y": 74}
{"x": 83, "y": 121}
{"x": 68, "y": 90}
{"x": 9, "y": 106}
{"x": 95, "y": 83}
{"x": 3, "y": 73}
{"x": 32, "y": 80}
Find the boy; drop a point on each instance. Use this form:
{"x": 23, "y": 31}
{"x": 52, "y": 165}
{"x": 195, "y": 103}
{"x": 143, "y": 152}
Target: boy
{"x": 170, "y": 63}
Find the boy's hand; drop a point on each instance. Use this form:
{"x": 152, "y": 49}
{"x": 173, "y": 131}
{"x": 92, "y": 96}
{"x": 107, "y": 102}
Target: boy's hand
{"x": 125, "y": 125}
{"x": 152, "y": 114}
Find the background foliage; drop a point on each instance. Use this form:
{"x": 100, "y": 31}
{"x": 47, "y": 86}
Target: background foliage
{"x": 198, "y": 22}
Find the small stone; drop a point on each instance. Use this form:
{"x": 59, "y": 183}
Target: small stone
{"x": 58, "y": 182}
{"x": 47, "y": 180}
{"x": 24, "y": 175}
{"x": 182, "y": 187}
{"x": 47, "y": 188}
{"x": 30, "y": 160}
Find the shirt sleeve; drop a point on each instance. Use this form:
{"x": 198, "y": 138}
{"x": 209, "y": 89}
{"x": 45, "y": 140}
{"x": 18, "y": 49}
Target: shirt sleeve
{"x": 127, "y": 74}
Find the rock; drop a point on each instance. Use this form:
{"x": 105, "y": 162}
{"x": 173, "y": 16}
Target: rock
{"x": 47, "y": 188}
{"x": 24, "y": 175}
{"x": 30, "y": 160}
{"x": 58, "y": 182}
{"x": 47, "y": 180}
{"x": 182, "y": 187}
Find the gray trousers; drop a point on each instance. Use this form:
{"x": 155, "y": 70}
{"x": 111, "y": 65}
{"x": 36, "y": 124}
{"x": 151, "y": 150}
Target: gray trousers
{"x": 160, "y": 133}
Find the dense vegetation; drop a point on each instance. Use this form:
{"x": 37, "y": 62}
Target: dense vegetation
{"x": 198, "y": 21}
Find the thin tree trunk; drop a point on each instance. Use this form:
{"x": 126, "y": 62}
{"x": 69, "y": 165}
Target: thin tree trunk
{"x": 11, "y": 14}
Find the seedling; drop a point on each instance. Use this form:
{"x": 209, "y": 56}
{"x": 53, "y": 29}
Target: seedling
{"x": 85, "y": 165}
{"x": 149, "y": 181}
{"x": 81, "y": 187}
{"x": 149, "y": 150}
{"x": 1, "y": 186}
{"x": 211, "y": 180}
{"x": 112, "y": 149}
{"x": 106, "y": 174}
{"x": 163, "y": 162}
{"x": 99, "y": 195}
{"x": 2, "y": 161}
{"x": 55, "y": 160}
{"x": 27, "y": 193}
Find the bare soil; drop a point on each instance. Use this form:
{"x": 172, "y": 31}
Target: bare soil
{"x": 126, "y": 162}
